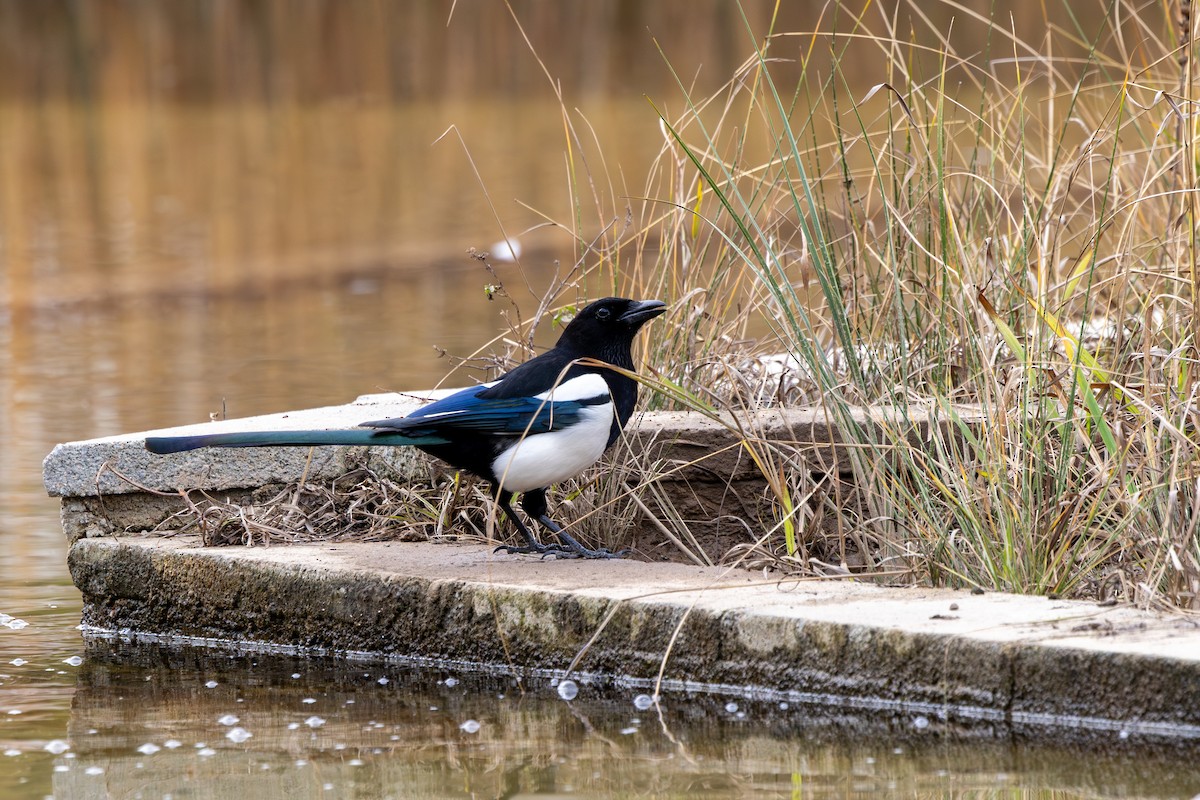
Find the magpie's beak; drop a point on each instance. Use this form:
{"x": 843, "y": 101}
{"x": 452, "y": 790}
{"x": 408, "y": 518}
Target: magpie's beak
{"x": 642, "y": 311}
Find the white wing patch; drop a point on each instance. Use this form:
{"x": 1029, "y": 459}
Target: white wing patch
{"x": 584, "y": 387}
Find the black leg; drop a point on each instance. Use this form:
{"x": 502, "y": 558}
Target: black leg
{"x": 534, "y": 503}
{"x": 532, "y": 545}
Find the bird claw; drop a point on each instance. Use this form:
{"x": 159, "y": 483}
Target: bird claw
{"x": 560, "y": 551}
{"x": 541, "y": 549}
{"x": 585, "y": 552}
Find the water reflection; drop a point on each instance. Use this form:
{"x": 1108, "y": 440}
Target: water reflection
{"x": 151, "y": 721}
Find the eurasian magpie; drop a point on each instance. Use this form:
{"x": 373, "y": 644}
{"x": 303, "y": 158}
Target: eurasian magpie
{"x": 545, "y": 421}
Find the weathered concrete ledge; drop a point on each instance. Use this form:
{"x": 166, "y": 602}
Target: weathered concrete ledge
{"x": 109, "y": 485}
{"x": 1024, "y": 661}
{"x": 120, "y": 464}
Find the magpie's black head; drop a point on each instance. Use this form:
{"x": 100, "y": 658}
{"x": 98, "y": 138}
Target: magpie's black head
{"x": 605, "y": 329}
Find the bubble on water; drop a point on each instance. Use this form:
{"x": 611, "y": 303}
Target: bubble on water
{"x": 783, "y": 706}
{"x": 1123, "y": 735}
{"x": 295, "y": 675}
{"x": 355, "y": 762}
{"x": 383, "y": 681}
{"x": 13, "y": 622}
{"x": 300, "y": 762}
{"x": 470, "y": 726}
{"x": 211, "y": 685}
{"x": 238, "y": 735}
{"x": 731, "y": 707}
{"x": 451, "y": 682}
{"x": 94, "y": 771}
{"x": 56, "y": 747}
{"x": 308, "y": 701}
{"x": 293, "y": 726}
{"x": 12, "y": 712}
{"x": 314, "y": 722}
{"x": 73, "y": 661}
{"x": 921, "y": 723}
{"x": 148, "y": 749}
{"x": 228, "y": 719}
{"x": 642, "y": 702}
{"x": 171, "y": 744}
{"x": 206, "y": 752}
{"x": 628, "y": 731}
{"x": 18, "y": 662}
{"x": 61, "y": 768}
{"x": 12, "y": 751}
{"x": 568, "y": 690}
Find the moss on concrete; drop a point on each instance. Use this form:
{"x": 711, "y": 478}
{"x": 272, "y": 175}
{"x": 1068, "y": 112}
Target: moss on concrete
{"x": 1020, "y": 660}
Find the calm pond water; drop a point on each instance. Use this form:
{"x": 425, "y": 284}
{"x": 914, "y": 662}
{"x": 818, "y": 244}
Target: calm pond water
{"x": 240, "y": 208}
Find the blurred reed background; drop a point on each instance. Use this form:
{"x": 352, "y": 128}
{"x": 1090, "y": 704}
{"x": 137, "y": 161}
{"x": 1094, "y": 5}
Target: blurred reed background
{"x": 195, "y": 146}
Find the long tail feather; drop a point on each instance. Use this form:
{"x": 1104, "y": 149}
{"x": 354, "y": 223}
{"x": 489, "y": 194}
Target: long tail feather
{"x": 178, "y": 444}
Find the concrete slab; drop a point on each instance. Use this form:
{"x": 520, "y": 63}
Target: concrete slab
{"x": 1027, "y": 661}
{"x": 1018, "y": 660}
{"x": 710, "y": 447}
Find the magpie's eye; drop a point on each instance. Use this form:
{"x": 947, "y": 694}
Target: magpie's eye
{"x": 603, "y": 314}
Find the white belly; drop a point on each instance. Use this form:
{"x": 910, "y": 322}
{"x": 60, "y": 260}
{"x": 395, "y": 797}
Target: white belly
{"x": 539, "y": 461}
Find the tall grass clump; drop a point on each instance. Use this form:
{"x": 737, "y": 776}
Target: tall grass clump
{"x": 1012, "y": 229}
{"x": 867, "y": 215}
